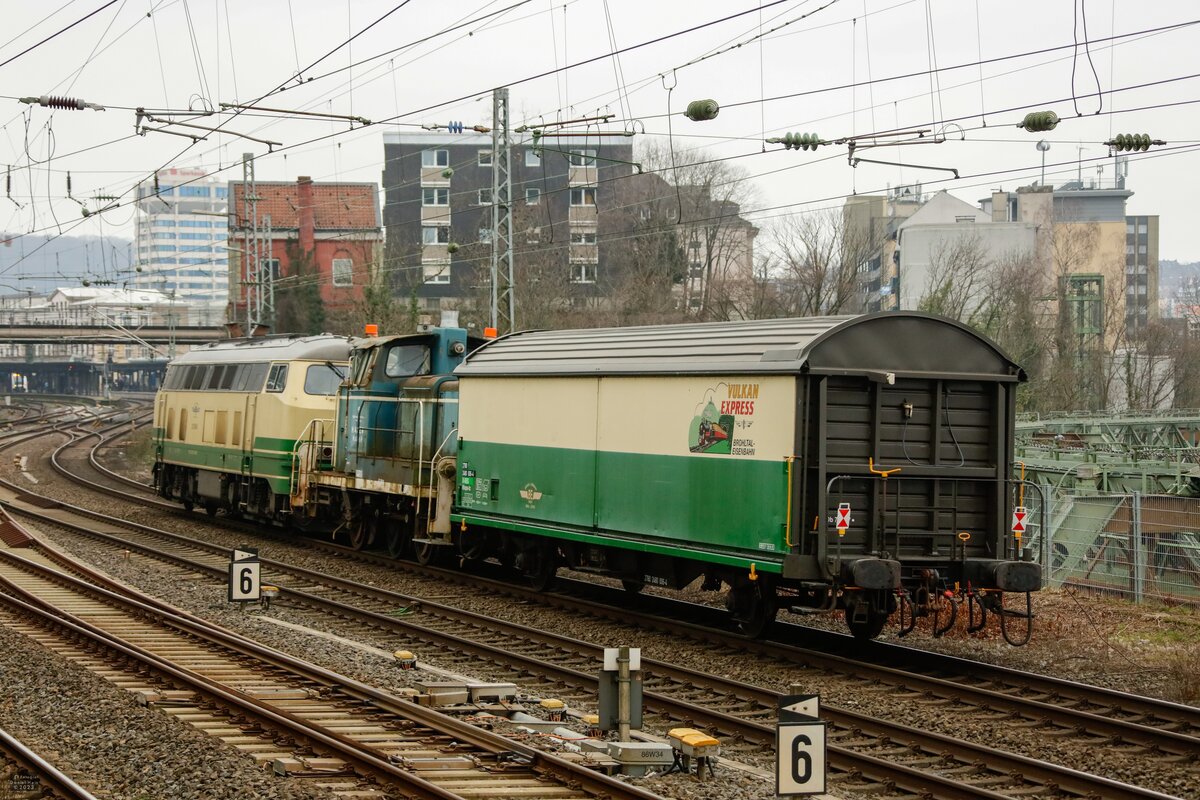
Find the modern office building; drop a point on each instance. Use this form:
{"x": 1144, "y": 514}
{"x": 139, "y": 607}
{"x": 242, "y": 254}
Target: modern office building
{"x": 180, "y": 241}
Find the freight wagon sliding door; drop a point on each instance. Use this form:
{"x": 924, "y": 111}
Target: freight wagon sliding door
{"x": 941, "y": 435}
{"x": 528, "y": 448}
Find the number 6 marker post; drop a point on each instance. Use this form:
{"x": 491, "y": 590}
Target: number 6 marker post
{"x": 800, "y": 747}
{"x": 245, "y": 572}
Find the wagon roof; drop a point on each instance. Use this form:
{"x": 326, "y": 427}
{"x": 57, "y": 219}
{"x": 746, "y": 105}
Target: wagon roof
{"x": 323, "y": 347}
{"x": 892, "y": 342}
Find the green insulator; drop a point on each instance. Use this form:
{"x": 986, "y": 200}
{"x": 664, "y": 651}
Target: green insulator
{"x": 702, "y": 110}
{"x": 1131, "y": 142}
{"x": 1039, "y": 121}
{"x": 452, "y": 248}
{"x": 448, "y": 172}
{"x": 798, "y": 141}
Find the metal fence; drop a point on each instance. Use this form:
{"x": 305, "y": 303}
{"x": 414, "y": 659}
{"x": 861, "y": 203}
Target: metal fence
{"x": 1139, "y": 546}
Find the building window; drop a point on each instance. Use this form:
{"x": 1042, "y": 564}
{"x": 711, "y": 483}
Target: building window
{"x": 343, "y": 272}
{"x": 435, "y": 197}
{"x": 435, "y": 234}
{"x": 1129, "y": 227}
{"x": 485, "y": 158}
{"x": 436, "y": 273}
{"x": 270, "y": 264}
{"x": 485, "y": 235}
{"x": 533, "y": 235}
{"x": 964, "y": 219}
{"x": 1141, "y": 249}
{"x": 485, "y": 197}
{"x": 1128, "y": 249}
{"x": 582, "y": 158}
{"x": 583, "y": 272}
{"x": 583, "y": 197}
{"x": 1142, "y": 227}
{"x": 533, "y": 196}
{"x": 532, "y": 159}
{"x": 583, "y": 237}
{"x": 435, "y": 158}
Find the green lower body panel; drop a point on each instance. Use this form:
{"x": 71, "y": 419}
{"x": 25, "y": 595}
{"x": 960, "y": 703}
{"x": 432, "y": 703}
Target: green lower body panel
{"x": 275, "y": 467}
{"x": 706, "y": 503}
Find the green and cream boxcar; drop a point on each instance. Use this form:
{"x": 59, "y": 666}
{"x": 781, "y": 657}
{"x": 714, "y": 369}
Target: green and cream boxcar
{"x": 229, "y": 415}
{"x": 661, "y": 454}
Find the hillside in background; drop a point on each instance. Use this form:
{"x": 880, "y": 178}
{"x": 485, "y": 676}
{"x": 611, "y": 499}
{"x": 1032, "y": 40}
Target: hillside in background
{"x": 42, "y": 263}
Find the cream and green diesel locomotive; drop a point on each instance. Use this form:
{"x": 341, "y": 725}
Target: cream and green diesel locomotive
{"x": 229, "y": 415}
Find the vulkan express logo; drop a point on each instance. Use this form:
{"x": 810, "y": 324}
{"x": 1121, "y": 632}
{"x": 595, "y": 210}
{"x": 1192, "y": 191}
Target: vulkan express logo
{"x": 714, "y": 427}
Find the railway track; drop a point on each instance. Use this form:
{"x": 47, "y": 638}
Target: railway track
{"x": 301, "y": 719}
{"x": 25, "y": 775}
{"x": 1062, "y": 708}
{"x": 922, "y": 764}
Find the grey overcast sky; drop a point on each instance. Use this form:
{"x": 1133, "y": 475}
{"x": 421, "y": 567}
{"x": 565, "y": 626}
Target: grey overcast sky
{"x": 186, "y": 54}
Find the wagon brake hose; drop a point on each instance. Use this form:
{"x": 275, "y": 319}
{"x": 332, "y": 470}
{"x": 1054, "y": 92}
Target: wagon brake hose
{"x": 904, "y": 441}
{"x": 962, "y": 459}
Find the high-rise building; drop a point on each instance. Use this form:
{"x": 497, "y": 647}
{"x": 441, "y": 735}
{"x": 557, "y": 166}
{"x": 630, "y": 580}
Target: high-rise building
{"x": 180, "y": 241}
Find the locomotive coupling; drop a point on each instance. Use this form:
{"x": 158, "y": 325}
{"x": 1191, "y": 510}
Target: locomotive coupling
{"x": 1007, "y": 576}
{"x": 871, "y": 573}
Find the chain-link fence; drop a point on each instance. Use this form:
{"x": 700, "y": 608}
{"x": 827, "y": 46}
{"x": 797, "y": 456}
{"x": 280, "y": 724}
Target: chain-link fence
{"x": 1133, "y": 545}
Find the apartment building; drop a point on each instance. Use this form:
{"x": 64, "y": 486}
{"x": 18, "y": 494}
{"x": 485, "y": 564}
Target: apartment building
{"x": 439, "y": 205}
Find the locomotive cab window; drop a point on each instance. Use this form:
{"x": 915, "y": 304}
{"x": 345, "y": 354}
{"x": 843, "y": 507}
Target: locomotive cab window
{"x": 277, "y": 379}
{"x": 196, "y": 377}
{"x": 362, "y": 362}
{"x": 250, "y": 378}
{"x": 407, "y": 359}
{"x": 322, "y": 379}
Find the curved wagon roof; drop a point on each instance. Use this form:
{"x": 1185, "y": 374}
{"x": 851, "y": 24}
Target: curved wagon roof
{"x": 322, "y": 347}
{"x": 891, "y": 342}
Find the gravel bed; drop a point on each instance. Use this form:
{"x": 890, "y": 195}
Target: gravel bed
{"x": 207, "y": 599}
{"x": 1058, "y": 646}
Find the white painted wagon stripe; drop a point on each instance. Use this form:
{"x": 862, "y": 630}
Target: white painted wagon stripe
{"x": 648, "y": 415}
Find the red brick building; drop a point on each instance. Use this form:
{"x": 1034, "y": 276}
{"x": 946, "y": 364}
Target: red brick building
{"x": 331, "y": 232}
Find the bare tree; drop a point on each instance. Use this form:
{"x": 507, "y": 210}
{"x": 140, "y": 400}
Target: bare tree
{"x": 819, "y": 259}
{"x": 959, "y": 270}
{"x": 1016, "y": 311}
{"x": 702, "y": 197}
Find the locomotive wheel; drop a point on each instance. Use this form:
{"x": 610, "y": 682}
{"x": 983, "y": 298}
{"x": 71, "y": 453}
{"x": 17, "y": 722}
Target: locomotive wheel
{"x": 210, "y": 509}
{"x": 398, "y": 541}
{"x": 753, "y": 606}
{"x": 364, "y": 532}
{"x": 359, "y": 534}
{"x": 633, "y": 585}
{"x": 427, "y": 553}
{"x": 188, "y": 505}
